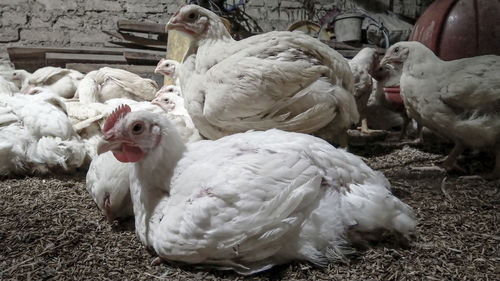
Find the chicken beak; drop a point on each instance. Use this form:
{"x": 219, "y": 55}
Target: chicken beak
{"x": 108, "y": 145}
{"x": 385, "y": 60}
{"x": 172, "y": 23}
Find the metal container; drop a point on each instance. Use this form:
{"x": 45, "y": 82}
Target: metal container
{"x": 348, "y": 27}
{"x": 456, "y": 29}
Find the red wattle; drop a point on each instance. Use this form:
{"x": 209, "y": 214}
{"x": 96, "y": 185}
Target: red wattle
{"x": 129, "y": 154}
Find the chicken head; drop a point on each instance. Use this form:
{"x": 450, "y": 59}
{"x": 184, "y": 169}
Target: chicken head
{"x": 166, "y": 67}
{"x": 129, "y": 135}
{"x": 396, "y": 54}
{"x": 195, "y": 21}
{"x": 168, "y": 97}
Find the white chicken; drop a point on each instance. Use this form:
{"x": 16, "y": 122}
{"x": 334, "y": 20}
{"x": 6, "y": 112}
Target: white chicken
{"x": 17, "y": 76}
{"x": 285, "y": 80}
{"x": 388, "y": 76}
{"x": 107, "y": 182}
{"x": 36, "y": 136}
{"x": 61, "y": 81}
{"x": 169, "y": 98}
{"x": 362, "y": 65}
{"x": 7, "y": 87}
{"x": 107, "y": 179}
{"x": 458, "y": 99}
{"x": 108, "y": 83}
{"x": 88, "y": 118}
{"x": 248, "y": 201}
{"x": 168, "y": 68}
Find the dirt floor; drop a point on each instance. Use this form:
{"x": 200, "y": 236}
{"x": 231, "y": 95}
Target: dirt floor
{"x": 50, "y": 229}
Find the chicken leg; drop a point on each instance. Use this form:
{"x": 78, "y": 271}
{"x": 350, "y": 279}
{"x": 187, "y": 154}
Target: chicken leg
{"x": 495, "y": 174}
{"x": 365, "y": 130}
{"x": 450, "y": 162}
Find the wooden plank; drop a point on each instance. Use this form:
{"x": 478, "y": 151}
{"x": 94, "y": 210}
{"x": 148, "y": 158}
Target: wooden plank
{"x": 131, "y": 45}
{"x": 142, "y": 58}
{"x": 138, "y": 26}
{"x": 61, "y": 59}
{"x": 23, "y": 52}
{"x": 30, "y": 62}
{"x": 31, "y": 59}
{"x": 136, "y": 39}
{"x": 88, "y": 67}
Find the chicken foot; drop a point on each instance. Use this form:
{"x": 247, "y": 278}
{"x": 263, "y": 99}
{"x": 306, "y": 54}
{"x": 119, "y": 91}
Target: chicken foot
{"x": 495, "y": 174}
{"x": 404, "y": 129}
{"x": 157, "y": 261}
{"x": 365, "y": 130}
{"x": 450, "y": 162}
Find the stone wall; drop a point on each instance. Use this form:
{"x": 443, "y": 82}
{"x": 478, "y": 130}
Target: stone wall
{"x": 63, "y": 23}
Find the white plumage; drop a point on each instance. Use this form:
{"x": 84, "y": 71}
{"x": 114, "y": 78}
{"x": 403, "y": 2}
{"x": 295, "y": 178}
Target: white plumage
{"x": 7, "y": 87}
{"x": 108, "y": 83}
{"x": 107, "y": 182}
{"x": 388, "y": 76}
{"x": 169, "y": 98}
{"x": 17, "y": 76}
{"x": 284, "y": 80}
{"x": 362, "y": 65}
{"x": 88, "y": 118}
{"x": 168, "y": 68}
{"x": 61, "y": 81}
{"x": 36, "y": 136}
{"x": 458, "y": 99}
{"x": 251, "y": 200}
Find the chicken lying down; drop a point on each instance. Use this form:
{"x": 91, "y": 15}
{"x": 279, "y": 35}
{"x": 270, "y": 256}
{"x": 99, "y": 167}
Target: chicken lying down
{"x": 285, "y": 80}
{"x": 108, "y": 83}
{"x": 458, "y": 99}
{"x": 362, "y": 65}
{"x": 36, "y": 136}
{"x": 107, "y": 181}
{"x": 169, "y": 98}
{"x": 88, "y": 118}
{"x": 251, "y": 200}
{"x": 61, "y": 81}
{"x": 168, "y": 69}
{"x": 17, "y": 76}
{"x": 7, "y": 87}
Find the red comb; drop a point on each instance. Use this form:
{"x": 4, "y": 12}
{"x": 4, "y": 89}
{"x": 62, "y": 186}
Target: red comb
{"x": 118, "y": 113}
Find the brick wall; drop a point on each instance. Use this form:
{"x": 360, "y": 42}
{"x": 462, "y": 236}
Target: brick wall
{"x": 63, "y": 23}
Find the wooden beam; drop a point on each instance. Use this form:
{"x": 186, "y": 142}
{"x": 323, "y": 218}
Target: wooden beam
{"x": 88, "y": 67}
{"x": 31, "y": 59}
{"x": 138, "y": 26}
{"x": 136, "y": 46}
{"x": 142, "y": 58}
{"x": 61, "y": 59}
{"x": 23, "y": 52}
{"x": 136, "y": 39}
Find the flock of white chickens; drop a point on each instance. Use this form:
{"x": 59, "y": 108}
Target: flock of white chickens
{"x": 222, "y": 168}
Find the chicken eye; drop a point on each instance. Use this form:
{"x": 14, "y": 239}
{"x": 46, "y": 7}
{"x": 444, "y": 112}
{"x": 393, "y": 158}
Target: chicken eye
{"x": 192, "y": 16}
{"x": 396, "y": 49}
{"x": 137, "y": 128}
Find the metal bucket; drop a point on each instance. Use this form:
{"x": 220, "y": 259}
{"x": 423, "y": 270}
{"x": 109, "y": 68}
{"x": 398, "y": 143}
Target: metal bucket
{"x": 348, "y": 27}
